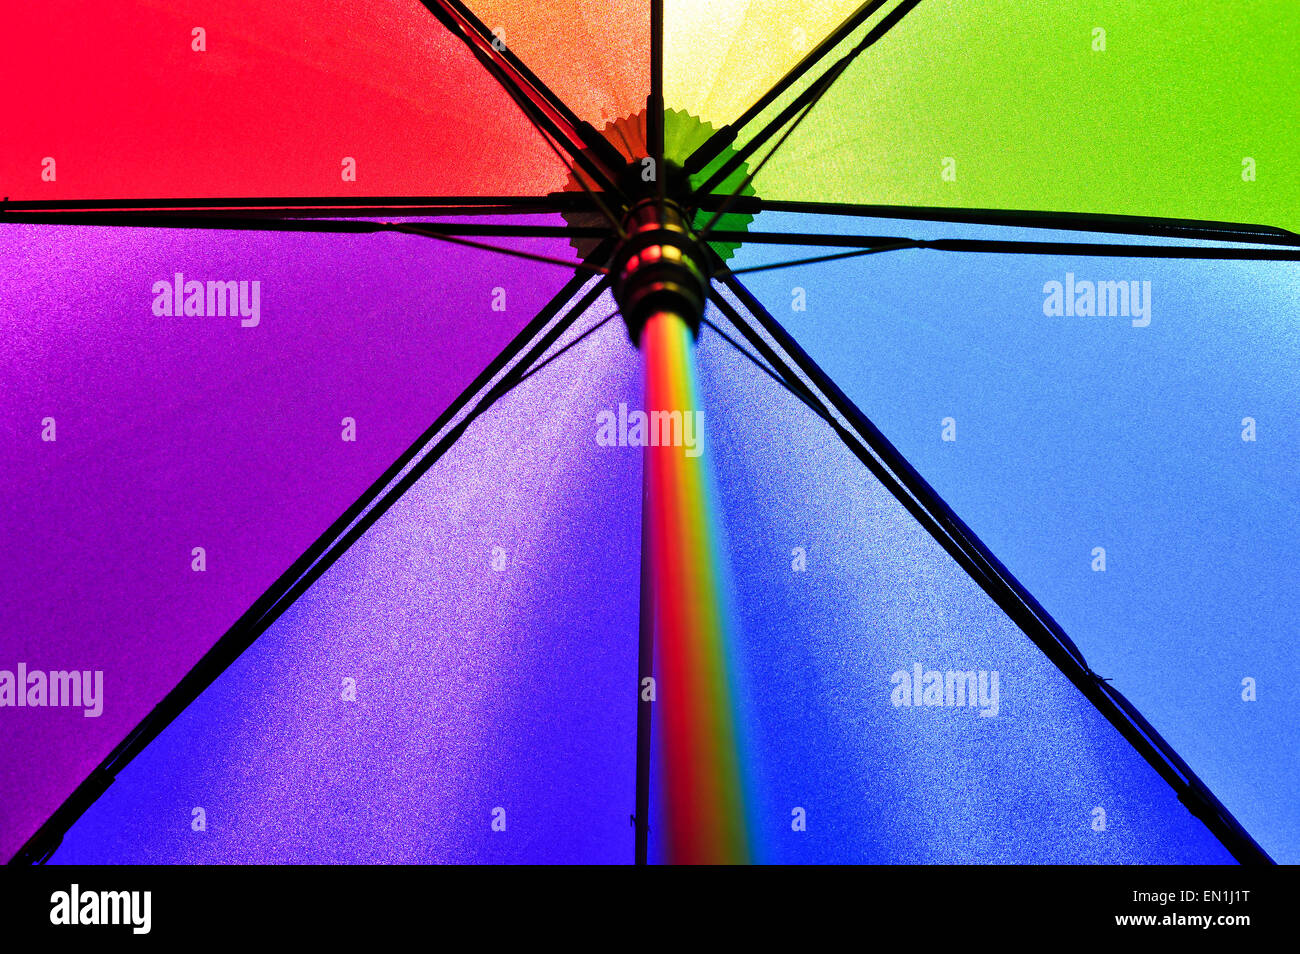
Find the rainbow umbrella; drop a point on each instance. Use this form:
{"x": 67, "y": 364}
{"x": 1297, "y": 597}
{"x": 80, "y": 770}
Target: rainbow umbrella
{"x": 899, "y": 398}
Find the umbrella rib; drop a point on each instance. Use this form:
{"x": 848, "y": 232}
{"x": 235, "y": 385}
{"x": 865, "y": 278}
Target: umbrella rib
{"x": 281, "y": 206}
{"x": 377, "y": 220}
{"x": 585, "y": 267}
{"x": 920, "y": 499}
{"x": 705, "y": 322}
{"x": 655, "y": 101}
{"x": 1289, "y": 243}
{"x": 454, "y": 234}
{"x": 815, "y": 259}
{"x": 786, "y": 380}
{"x": 568, "y": 157}
{"x": 804, "y": 102}
{"x": 1110, "y": 250}
{"x": 1061, "y": 221}
{"x": 322, "y": 554}
{"x": 618, "y": 131}
{"x": 576, "y": 341}
{"x": 712, "y": 147}
{"x": 749, "y": 177}
{"x": 591, "y": 194}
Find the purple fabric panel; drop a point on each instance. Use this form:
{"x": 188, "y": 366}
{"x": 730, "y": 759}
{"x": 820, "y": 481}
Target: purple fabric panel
{"x": 489, "y": 622}
{"x": 182, "y": 432}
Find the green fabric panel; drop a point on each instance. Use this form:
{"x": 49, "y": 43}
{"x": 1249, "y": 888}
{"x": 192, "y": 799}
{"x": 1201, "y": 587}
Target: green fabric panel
{"x": 1158, "y": 123}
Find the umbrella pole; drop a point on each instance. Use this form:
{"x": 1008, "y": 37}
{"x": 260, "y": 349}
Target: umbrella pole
{"x": 645, "y": 671}
{"x": 702, "y": 799}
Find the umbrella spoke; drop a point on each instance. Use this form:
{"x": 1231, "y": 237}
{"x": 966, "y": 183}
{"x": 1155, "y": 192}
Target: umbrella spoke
{"x": 815, "y": 259}
{"x": 562, "y": 350}
{"x": 783, "y": 377}
{"x": 868, "y": 244}
{"x": 537, "y": 103}
{"x": 568, "y": 156}
{"x": 286, "y": 206}
{"x": 655, "y": 102}
{"x": 1111, "y": 250}
{"x": 455, "y": 234}
{"x": 749, "y": 177}
{"x": 542, "y": 106}
{"x": 487, "y": 247}
{"x": 584, "y": 131}
{"x": 1061, "y": 221}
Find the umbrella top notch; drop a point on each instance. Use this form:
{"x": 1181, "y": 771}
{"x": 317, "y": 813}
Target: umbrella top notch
{"x": 639, "y": 180}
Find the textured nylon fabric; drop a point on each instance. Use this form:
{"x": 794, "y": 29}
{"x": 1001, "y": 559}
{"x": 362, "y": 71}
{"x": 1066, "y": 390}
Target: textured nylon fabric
{"x": 283, "y": 94}
{"x": 1189, "y": 111}
{"x": 836, "y": 590}
{"x": 1075, "y": 434}
{"x": 220, "y": 432}
{"x": 488, "y": 626}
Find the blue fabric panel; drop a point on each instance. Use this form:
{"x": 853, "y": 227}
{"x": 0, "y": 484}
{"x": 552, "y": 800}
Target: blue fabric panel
{"x": 1081, "y": 432}
{"x": 817, "y": 649}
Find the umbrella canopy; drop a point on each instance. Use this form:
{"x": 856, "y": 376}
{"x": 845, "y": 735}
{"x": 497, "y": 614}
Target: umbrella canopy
{"x": 1117, "y": 471}
{"x": 330, "y": 326}
{"x": 194, "y": 459}
{"x": 150, "y": 100}
{"x": 479, "y": 690}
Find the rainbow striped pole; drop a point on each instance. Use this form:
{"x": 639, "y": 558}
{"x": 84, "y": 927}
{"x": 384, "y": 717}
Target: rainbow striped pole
{"x": 660, "y": 274}
{"x": 702, "y": 804}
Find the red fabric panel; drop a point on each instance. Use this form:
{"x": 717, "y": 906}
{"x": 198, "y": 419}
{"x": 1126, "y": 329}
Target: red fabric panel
{"x": 118, "y": 97}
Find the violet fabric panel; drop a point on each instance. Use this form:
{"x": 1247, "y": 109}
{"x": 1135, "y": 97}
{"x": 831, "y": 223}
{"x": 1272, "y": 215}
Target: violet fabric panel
{"x": 181, "y": 432}
{"x": 489, "y": 620}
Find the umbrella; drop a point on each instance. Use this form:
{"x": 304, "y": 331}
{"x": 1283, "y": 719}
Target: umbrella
{"x": 894, "y": 396}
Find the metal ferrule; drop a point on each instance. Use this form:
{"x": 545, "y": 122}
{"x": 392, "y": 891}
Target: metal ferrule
{"x": 659, "y": 267}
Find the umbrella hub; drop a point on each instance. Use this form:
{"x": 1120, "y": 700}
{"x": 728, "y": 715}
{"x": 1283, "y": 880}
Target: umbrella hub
{"x": 660, "y": 266}
{"x": 638, "y": 179}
